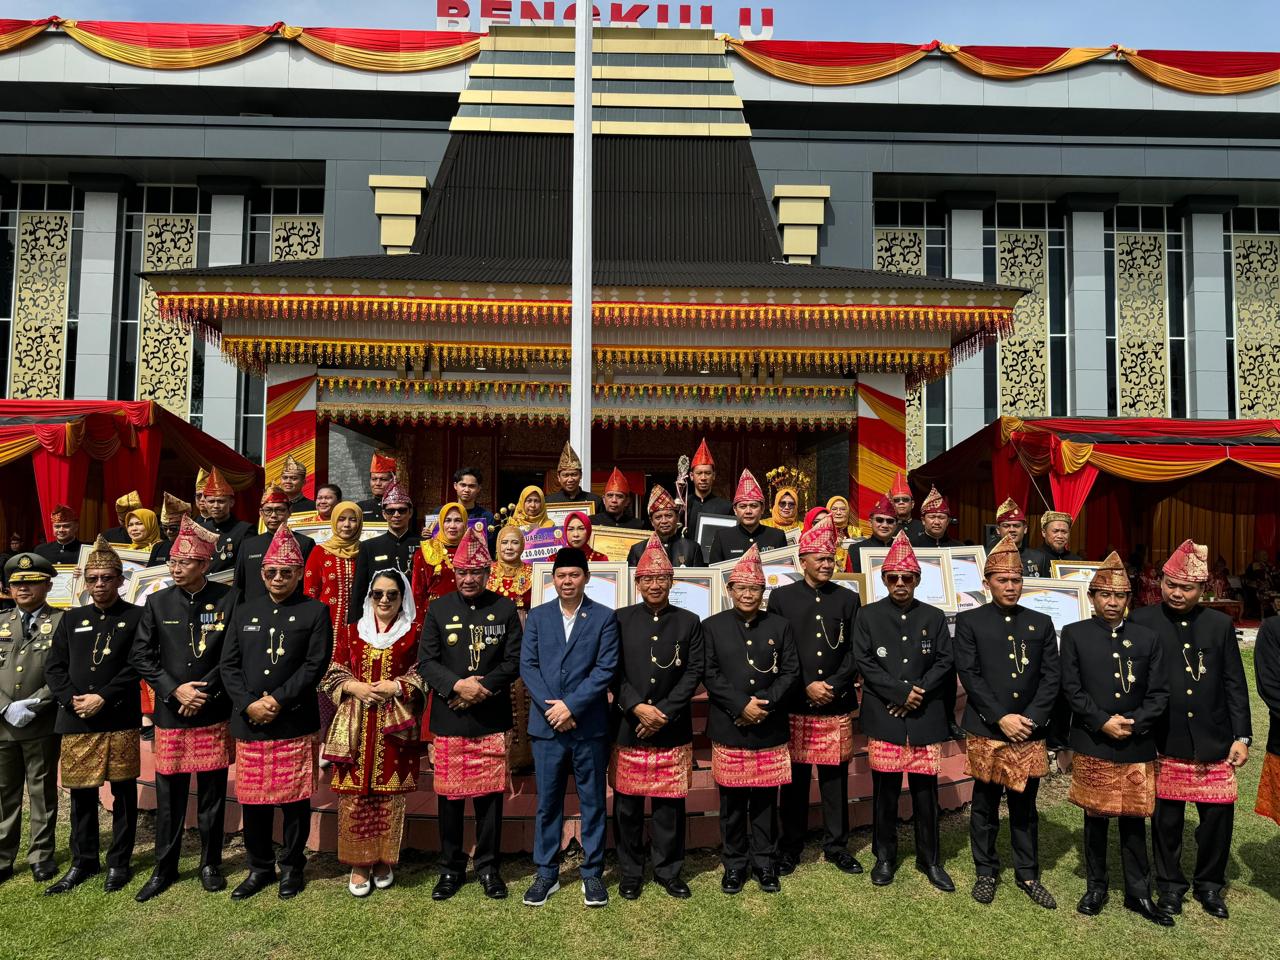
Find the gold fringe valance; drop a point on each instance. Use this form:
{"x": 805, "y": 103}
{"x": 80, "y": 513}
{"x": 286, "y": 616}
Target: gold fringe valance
{"x": 255, "y": 353}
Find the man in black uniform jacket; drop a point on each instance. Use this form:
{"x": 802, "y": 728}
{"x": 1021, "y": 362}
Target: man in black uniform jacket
{"x": 821, "y": 615}
{"x": 1055, "y": 531}
{"x": 935, "y": 523}
{"x": 469, "y": 656}
{"x": 391, "y": 550}
{"x": 1012, "y": 522}
{"x": 748, "y": 505}
{"x": 177, "y": 650}
{"x": 65, "y": 546}
{"x": 277, "y": 649}
{"x": 1114, "y": 677}
{"x": 903, "y": 651}
{"x": 884, "y": 526}
{"x": 681, "y": 551}
{"x": 617, "y": 504}
{"x": 171, "y": 515}
{"x": 751, "y": 674}
{"x": 89, "y": 674}
{"x": 292, "y": 476}
{"x": 1266, "y": 666}
{"x": 702, "y": 498}
{"x": 1204, "y": 734}
{"x": 218, "y": 499}
{"x": 274, "y": 510}
{"x": 1007, "y": 657}
{"x": 660, "y": 666}
{"x": 382, "y": 474}
{"x": 569, "y": 472}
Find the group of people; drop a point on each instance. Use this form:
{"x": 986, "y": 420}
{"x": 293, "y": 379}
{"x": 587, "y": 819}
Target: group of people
{"x": 377, "y": 650}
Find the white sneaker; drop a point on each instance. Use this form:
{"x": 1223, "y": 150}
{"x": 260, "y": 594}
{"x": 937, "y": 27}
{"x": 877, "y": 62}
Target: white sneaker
{"x": 384, "y": 881}
{"x": 360, "y": 889}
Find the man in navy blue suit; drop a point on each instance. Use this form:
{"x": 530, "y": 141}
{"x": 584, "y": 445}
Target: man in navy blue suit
{"x": 567, "y": 661}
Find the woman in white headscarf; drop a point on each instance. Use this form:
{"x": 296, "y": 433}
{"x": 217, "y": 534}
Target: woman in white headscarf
{"x": 374, "y": 743}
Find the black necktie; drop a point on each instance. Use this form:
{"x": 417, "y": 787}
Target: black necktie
{"x": 28, "y": 621}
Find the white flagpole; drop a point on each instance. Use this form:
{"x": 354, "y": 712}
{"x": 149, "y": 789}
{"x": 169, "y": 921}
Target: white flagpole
{"x": 580, "y": 367}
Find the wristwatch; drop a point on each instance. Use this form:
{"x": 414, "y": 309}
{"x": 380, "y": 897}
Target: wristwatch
{"x": 1247, "y": 741}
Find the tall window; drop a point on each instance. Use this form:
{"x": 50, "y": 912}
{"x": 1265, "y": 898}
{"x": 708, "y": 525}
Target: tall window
{"x": 990, "y": 356}
{"x": 1113, "y": 338}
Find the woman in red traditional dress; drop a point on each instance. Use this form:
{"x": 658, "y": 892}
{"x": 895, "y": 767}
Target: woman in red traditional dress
{"x": 513, "y": 578}
{"x": 373, "y": 744}
{"x": 331, "y": 568}
{"x": 577, "y": 533}
{"x": 433, "y": 563}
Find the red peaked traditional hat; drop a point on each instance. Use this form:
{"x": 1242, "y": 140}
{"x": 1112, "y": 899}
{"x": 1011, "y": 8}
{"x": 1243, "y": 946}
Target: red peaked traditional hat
{"x": 900, "y": 486}
{"x": 381, "y": 463}
{"x": 193, "y": 541}
{"x": 749, "y": 569}
{"x": 820, "y": 538}
{"x": 901, "y": 558}
{"x": 654, "y": 561}
{"x": 702, "y": 457}
{"x": 284, "y": 550}
{"x": 659, "y": 499}
{"x": 617, "y": 483}
{"x": 1189, "y": 563}
{"x": 472, "y": 552}
{"x": 935, "y": 503}
{"x": 748, "y": 489}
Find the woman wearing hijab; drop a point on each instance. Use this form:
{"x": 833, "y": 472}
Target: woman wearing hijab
{"x": 512, "y": 578}
{"x": 373, "y": 743}
{"x": 143, "y": 528}
{"x": 433, "y": 562}
{"x": 331, "y": 568}
{"x": 786, "y": 504}
{"x": 577, "y": 533}
{"x": 531, "y": 510}
{"x": 842, "y": 517}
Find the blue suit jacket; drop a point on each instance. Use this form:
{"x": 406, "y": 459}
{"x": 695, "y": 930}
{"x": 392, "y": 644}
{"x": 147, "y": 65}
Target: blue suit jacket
{"x": 578, "y": 672}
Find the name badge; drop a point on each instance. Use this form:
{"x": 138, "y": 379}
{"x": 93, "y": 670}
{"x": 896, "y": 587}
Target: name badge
{"x": 82, "y": 629}
{"x": 383, "y": 557}
{"x": 251, "y": 628}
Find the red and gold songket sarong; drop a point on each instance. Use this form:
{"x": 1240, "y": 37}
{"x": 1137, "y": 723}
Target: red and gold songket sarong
{"x": 1008, "y": 764}
{"x": 470, "y": 766}
{"x": 741, "y": 767}
{"x": 193, "y": 749}
{"x": 885, "y": 757}
{"x": 1190, "y": 781}
{"x": 652, "y": 771}
{"x": 1103, "y": 788}
{"x": 1269, "y": 788}
{"x": 275, "y": 771}
{"x": 91, "y": 759}
{"x": 826, "y": 741}
{"x": 370, "y": 829}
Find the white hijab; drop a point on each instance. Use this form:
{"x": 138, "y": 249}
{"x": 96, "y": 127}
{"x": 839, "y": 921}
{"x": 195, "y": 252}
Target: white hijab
{"x": 367, "y": 627}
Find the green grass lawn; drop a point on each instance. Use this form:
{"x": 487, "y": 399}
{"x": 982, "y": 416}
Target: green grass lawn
{"x": 820, "y": 913}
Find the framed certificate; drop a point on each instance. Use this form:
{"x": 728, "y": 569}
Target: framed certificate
{"x": 132, "y": 560}
{"x": 320, "y": 531}
{"x": 154, "y": 579}
{"x": 62, "y": 591}
{"x": 936, "y": 587}
{"x": 708, "y": 525}
{"x": 966, "y": 575}
{"x": 616, "y": 542}
{"x": 781, "y": 566}
{"x": 558, "y": 512}
{"x": 610, "y": 584}
{"x": 542, "y": 543}
{"x": 1065, "y": 601}
{"x": 696, "y": 589}
{"x": 1081, "y": 570}
{"x": 856, "y": 582}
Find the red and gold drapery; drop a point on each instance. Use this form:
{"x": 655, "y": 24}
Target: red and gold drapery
{"x": 14, "y": 33}
{"x": 829, "y": 63}
{"x": 167, "y": 46}
{"x": 1198, "y": 71}
{"x": 387, "y": 51}
{"x": 1017, "y": 63}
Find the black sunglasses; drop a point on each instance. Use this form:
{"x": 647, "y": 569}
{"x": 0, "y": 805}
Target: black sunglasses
{"x": 385, "y": 594}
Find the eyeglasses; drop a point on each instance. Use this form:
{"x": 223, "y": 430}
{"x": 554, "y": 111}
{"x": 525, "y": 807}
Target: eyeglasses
{"x": 277, "y": 573}
{"x": 884, "y": 521}
{"x": 655, "y": 578}
{"x": 395, "y": 511}
{"x": 899, "y": 578}
{"x": 104, "y": 578}
{"x": 902, "y": 499}
{"x": 385, "y": 594}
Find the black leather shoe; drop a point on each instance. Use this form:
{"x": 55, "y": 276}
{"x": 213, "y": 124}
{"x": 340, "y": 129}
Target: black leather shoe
{"x": 253, "y": 883}
{"x": 117, "y": 879}
{"x": 938, "y": 877}
{"x": 768, "y": 881}
{"x": 1170, "y": 904}
{"x": 156, "y": 884}
{"x": 211, "y": 879}
{"x": 493, "y": 886}
{"x": 44, "y": 871}
{"x": 447, "y": 886}
{"x": 1145, "y": 907}
{"x": 630, "y": 887}
{"x": 844, "y": 861}
{"x": 882, "y": 873}
{"x": 1212, "y": 902}
{"x": 292, "y": 882}
{"x": 6, "y": 873}
{"x": 733, "y": 881}
{"x": 787, "y": 863}
{"x": 676, "y": 887}
{"x": 71, "y": 879}
{"x": 1092, "y": 902}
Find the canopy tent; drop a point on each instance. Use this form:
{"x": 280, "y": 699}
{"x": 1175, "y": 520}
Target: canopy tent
{"x": 87, "y": 453}
{"x": 1212, "y": 480}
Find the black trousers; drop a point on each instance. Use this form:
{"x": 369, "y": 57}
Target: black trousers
{"x": 84, "y": 825}
{"x": 666, "y": 835}
{"x": 1133, "y": 854}
{"x": 886, "y": 790}
{"x": 172, "y": 791}
{"x": 1213, "y": 846}
{"x": 748, "y": 827}
{"x": 259, "y": 821}
{"x": 453, "y": 857}
{"x": 833, "y": 788}
{"x": 1024, "y": 829}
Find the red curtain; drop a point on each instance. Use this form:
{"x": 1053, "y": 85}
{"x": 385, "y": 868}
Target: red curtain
{"x": 1154, "y": 427}
{"x": 59, "y": 480}
{"x": 1009, "y": 477}
{"x": 1070, "y": 491}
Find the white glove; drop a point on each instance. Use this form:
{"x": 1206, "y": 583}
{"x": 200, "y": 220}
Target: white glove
{"x": 19, "y": 713}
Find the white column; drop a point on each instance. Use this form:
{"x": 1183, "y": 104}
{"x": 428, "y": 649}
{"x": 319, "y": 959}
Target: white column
{"x": 1206, "y": 312}
{"x": 968, "y": 407}
{"x": 221, "y": 378}
{"x": 1087, "y": 279}
{"x": 98, "y": 248}
{"x": 580, "y": 332}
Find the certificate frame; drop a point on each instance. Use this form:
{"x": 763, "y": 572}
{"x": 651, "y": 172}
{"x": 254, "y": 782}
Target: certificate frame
{"x": 1081, "y": 570}
{"x": 781, "y": 566}
{"x": 133, "y": 561}
{"x": 936, "y": 587}
{"x": 612, "y": 584}
{"x": 154, "y": 579}
{"x": 857, "y": 582}
{"x": 616, "y": 542}
{"x": 320, "y": 531}
{"x": 62, "y": 594}
{"x": 966, "y": 562}
{"x": 696, "y": 589}
{"x": 557, "y": 513}
{"x": 708, "y": 524}
{"x": 1065, "y": 601}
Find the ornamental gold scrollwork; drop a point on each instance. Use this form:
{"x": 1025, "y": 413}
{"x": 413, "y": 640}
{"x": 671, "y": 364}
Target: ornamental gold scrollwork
{"x": 915, "y": 426}
{"x": 40, "y": 306}
{"x": 1256, "y": 262}
{"x": 164, "y": 347}
{"x": 901, "y": 251}
{"x": 1021, "y": 262}
{"x": 297, "y": 238}
{"x": 1142, "y": 325}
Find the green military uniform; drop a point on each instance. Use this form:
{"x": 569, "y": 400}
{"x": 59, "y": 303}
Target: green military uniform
{"x": 28, "y": 752}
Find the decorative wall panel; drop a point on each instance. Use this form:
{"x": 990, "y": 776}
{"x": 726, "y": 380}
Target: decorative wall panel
{"x": 902, "y": 251}
{"x": 1021, "y": 261}
{"x": 297, "y": 238}
{"x": 164, "y": 348}
{"x": 1257, "y": 295}
{"x": 40, "y": 306}
{"x": 1142, "y": 325}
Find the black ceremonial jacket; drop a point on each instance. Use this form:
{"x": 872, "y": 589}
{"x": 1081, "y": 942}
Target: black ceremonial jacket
{"x": 248, "y": 578}
{"x": 661, "y": 661}
{"x": 1266, "y": 665}
{"x": 732, "y": 542}
{"x": 471, "y": 638}
{"x": 55, "y": 552}
{"x": 991, "y": 644}
{"x": 744, "y": 660}
{"x": 855, "y": 549}
{"x": 385, "y": 551}
{"x": 179, "y": 639}
{"x": 681, "y": 551}
{"x": 713, "y": 506}
{"x": 1097, "y": 662}
{"x": 1208, "y": 695}
{"x": 231, "y": 535}
{"x": 898, "y": 648}
{"x": 821, "y": 621}
{"x": 90, "y": 654}
{"x": 281, "y": 649}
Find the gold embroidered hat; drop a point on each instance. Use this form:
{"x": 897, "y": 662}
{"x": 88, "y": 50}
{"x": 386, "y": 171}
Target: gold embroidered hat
{"x": 1111, "y": 575}
{"x": 103, "y": 557}
{"x": 568, "y": 459}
